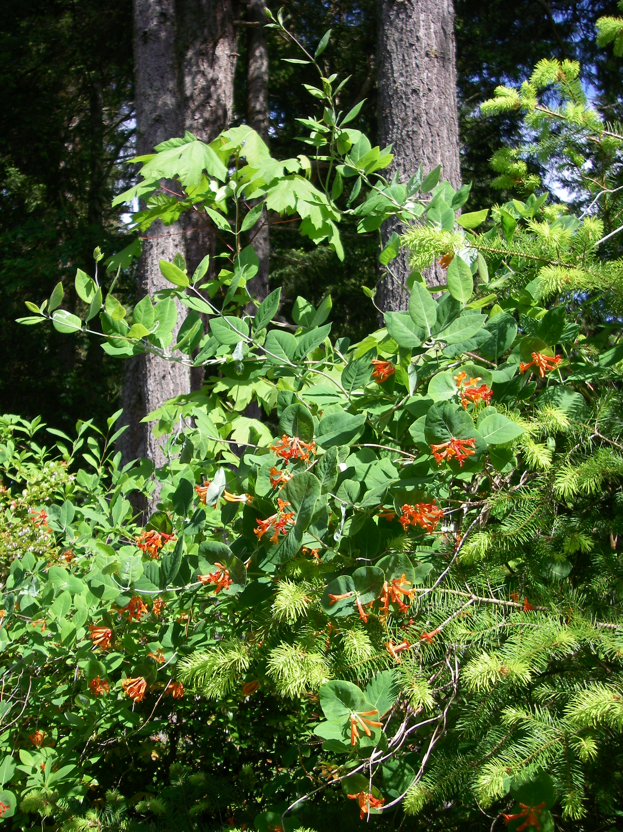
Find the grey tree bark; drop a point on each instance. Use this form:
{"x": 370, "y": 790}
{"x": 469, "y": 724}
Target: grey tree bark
{"x": 418, "y": 112}
{"x": 258, "y": 119}
{"x": 149, "y": 381}
{"x": 185, "y": 54}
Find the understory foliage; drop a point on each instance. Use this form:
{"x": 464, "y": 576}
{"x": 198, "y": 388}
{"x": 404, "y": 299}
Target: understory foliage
{"x": 398, "y": 591}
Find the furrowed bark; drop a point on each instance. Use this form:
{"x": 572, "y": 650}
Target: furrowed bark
{"x": 418, "y": 112}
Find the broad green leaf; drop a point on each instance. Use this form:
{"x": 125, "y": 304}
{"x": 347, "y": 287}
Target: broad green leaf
{"x": 302, "y": 491}
{"x": 310, "y": 340}
{"x": 403, "y": 330}
{"x": 190, "y": 333}
{"x": 552, "y": 325}
{"x": 340, "y": 586}
{"x": 442, "y": 386}
{"x": 503, "y": 329}
{"x": 267, "y": 310}
{"x": 422, "y": 309}
{"x": 114, "y": 308}
{"x": 324, "y": 41}
{"x": 160, "y": 522}
{"x": 165, "y": 315}
{"x": 228, "y": 330}
{"x": 202, "y": 269}
{"x": 498, "y": 430}
{"x": 186, "y": 159}
{"x": 280, "y": 346}
{"x": 323, "y": 311}
{"x": 462, "y": 329}
{"x": 339, "y": 429}
{"x": 473, "y": 219}
{"x": 138, "y": 331}
{"x": 397, "y": 565}
{"x": 296, "y": 420}
{"x": 56, "y": 298}
{"x": 445, "y": 420}
{"x": 339, "y": 699}
{"x": 357, "y": 374}
{"x": 460, "y": 280}
{"x": 430, "y": 180}
{"x": 144, "y": 313}
{"x": 66, "y": 322}
{"x": 382, "y": 691}
{"x": 483, "y": 269}
{"x": 303, "y": 312}
{"x": 10, "y": 801}
{"x": 171, "y": 561}
{"x": 174, "y": 274}
{"x": 252, "y": 217}
{"x": 392, "y": 247}
{"x": 368, "y": 582}
{"x": 85, "y": 286}
{"x": 326, "y": 469}
{"x": 7, "y": 769}
{"x": 95, "y": 306}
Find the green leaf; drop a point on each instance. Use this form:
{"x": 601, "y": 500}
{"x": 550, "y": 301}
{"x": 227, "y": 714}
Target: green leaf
{"x": 310, "y": 340}
{"x": 509, "y": 224}
{"x": 267, "y": 310}
{"x": 114, "y": 308}
{"x": 382, "y": 691}
{"x": 171, "y": 561}
{"x": 66, "y": 322}
{"x": 138, "y": 331}
{"x": 323, "y": 311}
{"x": 340, "y": 586}
{"x": 201, "y": 270}
{"x": 442, "y": 386}
{"x": 144, "y": 313}
{"x": 339, "y": 429}
{"x": 280, "y": 346}
{"x": 326, "y": 469}
{"x": 56, "y": 298}
{"x": 422, "y": 309}
{"x": 403, "y": 330}
{"x": 483, "y": 269}
{"x": 324, "y": 41}
{"x": 185, "y": 158}
{"x": 7, "y": 769}
{"x": 31, "y": 321}
{"x": 252, "y": 217}
{"x": 503, "y": 329}
{"x": 391, "y": 249}
{"x": 357, "y": 374}
{"x": 173, "y": 274}
{"x": 32, "y": 307}
{"x": 302, "y": 491}
{"x": 218, "y": 219}
{"x": 85, "y": 286}
{"x": 95, "y": 306}
{"x": 353, "y": 113}
{"x": 182, "y": 498}
{"x": 498, "y": 430}
{"x": 462, "y": 329}
{"x": 160, "y": 522}
{"x": 10, "y": 801}
{"x": 473, "y": 219}
{"x": 431, "y": 180}
{"x": 165, "y": 315}
{"x": 445, "y": 420}
{"x": 303, "y": 312}
{"x": 460, "y": 280}
{"x": 552, "y": 325}
{"x": 229, "y": 330}
{"x": 339, "y": 699}
{"x": 296, "y": 420}
{"x": 368, "y": 582}
{"x": 190, "y": 333}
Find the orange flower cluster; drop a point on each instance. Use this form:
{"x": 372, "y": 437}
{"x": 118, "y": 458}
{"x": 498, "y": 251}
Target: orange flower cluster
{"x": 279, "y": 478}
{"x": 396, "y": 590}
{"x": 136, "y": 609}
{"x": 249, "y": 688}
{"x": 543, "y": 363}
{"x": 382, "y": 370}
{"x": 221, "y": 578}
{"x": 470, "y": 392}
{"x": 394, "y": 649}
{"x": 530, "y": 813}
{"x": 362, "y": 613}
{"x": 445, "y": 260}
{"x": 429, "y": 636}
{"x": 362, "y": 719}
{"x": 135, "y": 688}
{"x": 98, "y": 686}
{"x": 202, "y": 490}
{"x": 291, "y": 447}
{"x": 39, "y": 518}
{"x": 366, "y": 802}
{"x": 37, "y": 738}
{"x": 158, "y": 656}
{"x": 459, "y": 448}
{"x": 425, "y": 515}
{"x": 157, "y": 606}
{"x": 151, "y": 542}
{"x": 276, "y": 523}
{"x": 176, "y": 690}
{"x": 100, "y": 636}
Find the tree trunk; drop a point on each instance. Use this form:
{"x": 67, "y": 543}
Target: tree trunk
{"x": 417, "y": 109}
{"x": 149, "y": 381}
{"x": 258, "y": 119}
